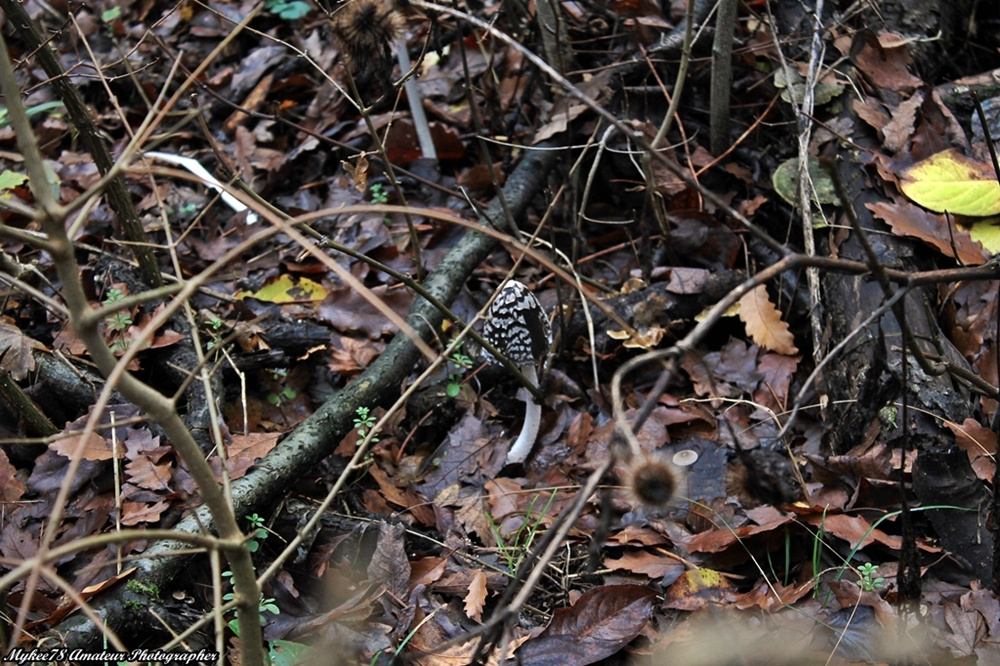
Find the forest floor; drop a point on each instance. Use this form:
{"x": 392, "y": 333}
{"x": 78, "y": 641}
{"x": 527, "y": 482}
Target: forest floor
{"x": 683, "y": 502}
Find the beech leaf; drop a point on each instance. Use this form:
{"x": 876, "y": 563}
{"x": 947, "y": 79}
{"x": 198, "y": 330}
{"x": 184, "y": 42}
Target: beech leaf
{"x": 601, "y": 622}
{"x": 764, "y": 324}
{"x": 952, "y": 182}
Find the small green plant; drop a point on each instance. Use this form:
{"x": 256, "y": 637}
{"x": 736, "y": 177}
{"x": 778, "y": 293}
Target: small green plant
{"x": 257, "y": 532}
{"x": 265, "y": 605}
{"x": 379, "y": 195}
{"x": 118, "y": 322}
{"x": 288, "y": 11}
{"x": 888, "y": 415}
{"x": 458, "y": 363}
{"x": 364, "y": 422}
{"x": 287, "y": 392}
{"x": 280, "y": 653}
{"x": 866, "y": 582}
{"x": 215, "y": 323}
{"x": 109, "y": 17}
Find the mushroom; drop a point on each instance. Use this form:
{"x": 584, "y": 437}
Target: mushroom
{"x": 517, "y": 326}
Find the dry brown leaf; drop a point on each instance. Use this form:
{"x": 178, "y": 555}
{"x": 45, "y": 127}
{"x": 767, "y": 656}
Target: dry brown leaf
{"x": 764, "y": 324}
{"x": 94, "y": 448}
{"x": 245, "y": 450}
{"x": 143, "y": 473}
{"x": 980, "y": 443}
{"x": 645, "y": 563}
{"x": 15, "y": 351}
{"x": 855, "y": 530}
{"x": 134, "y": 513}
{"x": 475, "y": 600}
{"x": 11, "y": 488}
{"x": 907, "y": 219}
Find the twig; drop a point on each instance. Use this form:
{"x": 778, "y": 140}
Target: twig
{"x": 118, "y": 195}
{"x": 722, "y": 76}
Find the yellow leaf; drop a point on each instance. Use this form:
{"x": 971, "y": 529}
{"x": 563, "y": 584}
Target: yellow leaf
{"x": 954, "y": 183}
{"x": 987, "y": 232}
{"x": 288, "y": 289}
{"x": 763, "y": 322}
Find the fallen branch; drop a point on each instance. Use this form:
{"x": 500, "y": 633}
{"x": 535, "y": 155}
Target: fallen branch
{"x": 316, "y": 437}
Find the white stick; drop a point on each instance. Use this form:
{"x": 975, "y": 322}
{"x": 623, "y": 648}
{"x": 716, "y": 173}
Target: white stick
{"x": 204, "y": 176}
{"x": 416, "y": 102}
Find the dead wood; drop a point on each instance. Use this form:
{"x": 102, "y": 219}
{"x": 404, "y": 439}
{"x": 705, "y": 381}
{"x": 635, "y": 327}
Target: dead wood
{"x": 316, "y": 437}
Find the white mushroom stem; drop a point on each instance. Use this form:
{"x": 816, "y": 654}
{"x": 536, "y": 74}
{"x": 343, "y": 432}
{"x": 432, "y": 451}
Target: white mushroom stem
{"x": 532, "y": 420}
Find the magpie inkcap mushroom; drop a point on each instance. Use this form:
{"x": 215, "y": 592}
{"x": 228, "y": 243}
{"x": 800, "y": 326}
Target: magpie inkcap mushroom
{"x": 517, "y": 326}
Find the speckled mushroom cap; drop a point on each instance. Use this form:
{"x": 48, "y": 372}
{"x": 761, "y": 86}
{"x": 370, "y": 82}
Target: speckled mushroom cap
{"x": 517, "y": 325}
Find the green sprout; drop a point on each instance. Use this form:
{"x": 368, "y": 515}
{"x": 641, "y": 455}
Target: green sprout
{"x": 118, "y": 322}
{"x": 866, "y": 582}
{"x": 287, "y": 392}
{"x": 379, "y": 195}
{"x": 364, "y": 422}
{"x": 458, "y": 363}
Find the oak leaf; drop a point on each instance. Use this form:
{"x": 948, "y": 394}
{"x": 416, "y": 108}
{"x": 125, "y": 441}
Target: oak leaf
{"x": 475, "y": 600}
{"x": 764, "y": 324}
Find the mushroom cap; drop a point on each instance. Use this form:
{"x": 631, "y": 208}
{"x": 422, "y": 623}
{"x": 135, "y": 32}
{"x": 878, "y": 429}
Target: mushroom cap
{"x": 517, "y": 325}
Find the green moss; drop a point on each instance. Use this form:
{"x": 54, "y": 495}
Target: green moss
{"x": 151, "y": 591}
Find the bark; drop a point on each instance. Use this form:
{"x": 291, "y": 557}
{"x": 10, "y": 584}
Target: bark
{"x": 870, "y": 374}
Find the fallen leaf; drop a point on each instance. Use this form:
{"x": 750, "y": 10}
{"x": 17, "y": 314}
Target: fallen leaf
{"x": 786, "y": 182}
{"x": 645, "y": 563}
{"x": 389, "y": 565}
{"x": 136, "y": 513}
{"x": 601, "y": 622}
{"x": 980, "y": 443}
{"x": 952, "y": 182}
{"x": 91, "y": 447}
{"x": 11, "y": 488}
{"x": 475, "y": 600}
{"x": 245, "y": 450}
{"x": 289, "y": 289}
{"x": 905, "y": 219}
{"x": 15, "y": 351}
{"x": 142, "y": 472}
{"x": 764, "y": 324}
{"x": 855, "y": 530}
{"x": 698, "y": 589}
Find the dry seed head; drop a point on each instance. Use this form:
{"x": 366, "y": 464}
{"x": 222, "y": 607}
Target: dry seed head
{"x": 363, "y": 31}
{"x": 653, "y": 480}
{"x": 517, "y": 326}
